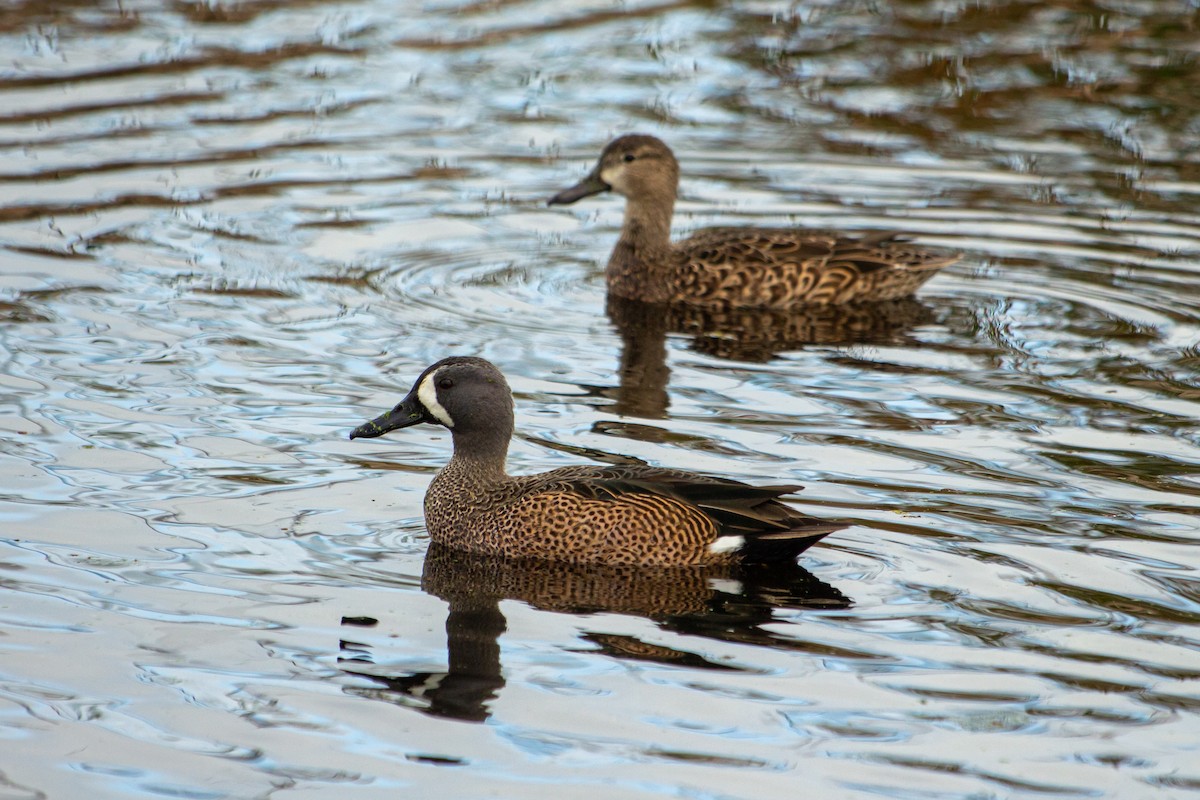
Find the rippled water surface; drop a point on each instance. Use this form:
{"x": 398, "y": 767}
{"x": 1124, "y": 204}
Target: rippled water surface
{"x": 231, "y": 231}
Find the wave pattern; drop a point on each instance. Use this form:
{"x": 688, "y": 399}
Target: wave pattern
{"x": 232, "y": 230}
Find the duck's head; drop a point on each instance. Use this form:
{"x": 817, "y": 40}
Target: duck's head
{"x": 466, "y": 395}
{"x": 636, "y": 166}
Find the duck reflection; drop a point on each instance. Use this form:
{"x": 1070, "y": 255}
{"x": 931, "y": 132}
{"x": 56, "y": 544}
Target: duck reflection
{"x": 752, "y": 335}
{"x": 462, "y": 692}
{"x": 729, "y": 604}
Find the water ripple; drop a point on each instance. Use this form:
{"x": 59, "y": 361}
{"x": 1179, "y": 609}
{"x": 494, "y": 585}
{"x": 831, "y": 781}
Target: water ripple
{"x": 235, "y": 230}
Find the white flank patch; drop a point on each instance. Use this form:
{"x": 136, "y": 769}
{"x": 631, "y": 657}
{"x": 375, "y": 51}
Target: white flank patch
{"x": 427, "y": 394}
{"x": 728, "y": 585}
{"x": 726, "y": 544}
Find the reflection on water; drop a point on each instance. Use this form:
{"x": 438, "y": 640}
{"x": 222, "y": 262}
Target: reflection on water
{"x": 229, "y": 228}
{"x": 740, "y": 335}
{"x": 729, "y": 604}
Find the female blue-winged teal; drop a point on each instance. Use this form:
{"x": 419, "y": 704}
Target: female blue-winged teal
{"x": 613, "y": 515}
{"x": 737, "y": 267}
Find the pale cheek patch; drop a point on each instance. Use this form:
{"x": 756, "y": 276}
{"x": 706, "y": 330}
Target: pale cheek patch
{"x": 612, "y": 176}
{"x": 427, "y": 394}
{"x": 726, "y": 544}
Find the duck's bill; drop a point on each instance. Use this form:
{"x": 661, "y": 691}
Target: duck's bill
{"x": 408, "y": 413}
{"x": 585, "y": 188}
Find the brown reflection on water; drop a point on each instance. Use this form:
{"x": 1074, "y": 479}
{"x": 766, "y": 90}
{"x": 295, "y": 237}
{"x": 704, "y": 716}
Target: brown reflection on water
{"x": 729, "y": 604}
{"x": 754, "y": 336}
{"x": 1083, "y": 73}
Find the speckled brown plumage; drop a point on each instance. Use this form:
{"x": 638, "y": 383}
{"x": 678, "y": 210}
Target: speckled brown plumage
{"x": 613, "y": 515}
{"x": 738, "y": 267}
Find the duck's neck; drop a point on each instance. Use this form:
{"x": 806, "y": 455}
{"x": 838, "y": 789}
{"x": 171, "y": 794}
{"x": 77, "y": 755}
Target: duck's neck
{"x": 479, "y": 455}
{"x": 460, "y": 492}
{"x": 640, "y": 261}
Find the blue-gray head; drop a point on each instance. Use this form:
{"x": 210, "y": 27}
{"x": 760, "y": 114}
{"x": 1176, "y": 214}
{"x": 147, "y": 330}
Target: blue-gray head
{"x": 467, "y": 395}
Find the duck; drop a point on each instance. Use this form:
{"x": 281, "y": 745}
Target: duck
{"x": 738, "y": 267}
{"x": 634, "y": 514}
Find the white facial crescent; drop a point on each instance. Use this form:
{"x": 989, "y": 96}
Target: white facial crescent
{"x": 427, "y": 394}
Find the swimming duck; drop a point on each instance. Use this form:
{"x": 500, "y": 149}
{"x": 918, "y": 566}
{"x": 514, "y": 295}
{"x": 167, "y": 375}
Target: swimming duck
{"x": 617, "y": 515}
{"x": 737, "y": 267}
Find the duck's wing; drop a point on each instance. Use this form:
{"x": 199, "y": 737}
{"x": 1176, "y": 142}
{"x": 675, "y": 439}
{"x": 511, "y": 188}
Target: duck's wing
{"x": 864, "y": 253}
{"x": 781, "y": 267}
{"x": 751, "y": 518}
{"x": 762, "y": 247}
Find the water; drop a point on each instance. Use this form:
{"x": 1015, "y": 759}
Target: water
{"x": 230, "y": 232}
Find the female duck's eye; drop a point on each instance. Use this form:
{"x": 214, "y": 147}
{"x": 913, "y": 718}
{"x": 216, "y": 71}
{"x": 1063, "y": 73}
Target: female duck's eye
{"x": 629, "y": 157}
{"x": 445, "y": 383}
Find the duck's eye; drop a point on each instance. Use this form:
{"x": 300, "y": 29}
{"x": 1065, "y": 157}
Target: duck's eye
{"x": 445, "y": 383}
{"x": 630, "y": 157}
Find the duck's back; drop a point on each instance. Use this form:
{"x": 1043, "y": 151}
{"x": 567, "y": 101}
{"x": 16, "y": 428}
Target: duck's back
{"x": 785, "y": 267}
{"x": 620, "y": 515}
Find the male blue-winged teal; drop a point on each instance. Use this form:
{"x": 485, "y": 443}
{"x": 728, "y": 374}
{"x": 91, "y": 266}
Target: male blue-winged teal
{"x": 589, "y": 514}
{"x": 737, "y": 267}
